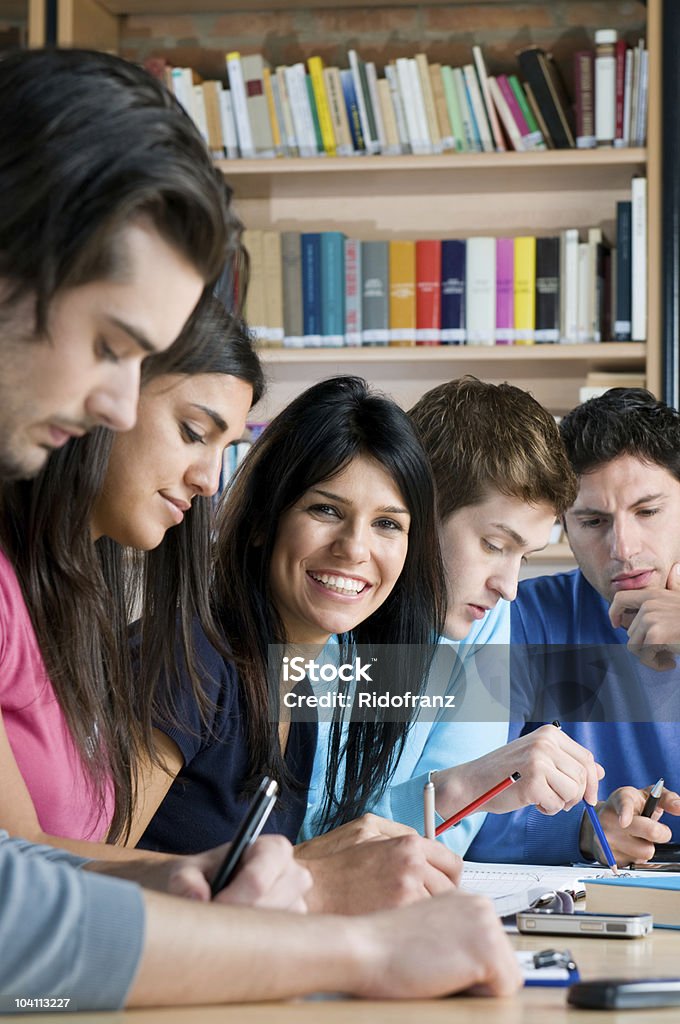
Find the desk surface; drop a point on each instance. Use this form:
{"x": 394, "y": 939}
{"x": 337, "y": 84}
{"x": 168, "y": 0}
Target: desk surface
{"x": 657, "y": 955}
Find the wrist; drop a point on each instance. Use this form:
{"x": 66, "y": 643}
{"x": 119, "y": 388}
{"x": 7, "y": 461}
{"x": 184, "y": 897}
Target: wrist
{"x": 449, "y": 790}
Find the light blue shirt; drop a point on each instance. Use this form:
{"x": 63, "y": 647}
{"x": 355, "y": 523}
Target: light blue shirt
{"x": 432, "y": 745}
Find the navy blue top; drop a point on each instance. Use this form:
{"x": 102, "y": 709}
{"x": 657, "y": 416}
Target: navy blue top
{"x": 204, "y": 806}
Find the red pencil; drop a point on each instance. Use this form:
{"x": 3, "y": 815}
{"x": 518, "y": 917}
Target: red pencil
{"x": 489, "y": 795}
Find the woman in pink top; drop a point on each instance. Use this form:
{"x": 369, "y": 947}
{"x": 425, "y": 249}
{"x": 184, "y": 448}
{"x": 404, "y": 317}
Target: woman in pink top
{"x": 74, "y": 732}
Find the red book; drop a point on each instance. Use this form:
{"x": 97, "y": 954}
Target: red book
{"x": 584, "y": 87}
{"x": 428, "y": 291}
{"x": 621, "y": 48}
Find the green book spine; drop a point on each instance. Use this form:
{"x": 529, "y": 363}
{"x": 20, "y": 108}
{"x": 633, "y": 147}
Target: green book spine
{"x": 453, "y": 108}
{"x": 315, "y": 115}
{"x": 520, "y": 96}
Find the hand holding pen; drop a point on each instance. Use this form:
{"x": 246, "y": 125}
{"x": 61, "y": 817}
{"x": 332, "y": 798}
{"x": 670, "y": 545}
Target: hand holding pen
{"x": 631, "y": 833}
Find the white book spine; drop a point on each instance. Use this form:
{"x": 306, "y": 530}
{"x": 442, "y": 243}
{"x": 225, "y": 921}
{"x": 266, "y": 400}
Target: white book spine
{"x": 424, "y": 140}
{"x": 641, "y": 131}
{"x": 404, "y": 79}
{"x": 478, "y": 109}
{"x": 240, "y": 106}
{"x": 583, "y": 314}
{"x": 605, "y": 86}
{"x": 480, "y": 291}
{"x": 627, "y": 96}
{"x": 200, "y": 115}
{"x": 302, "y": 115}
{"x": 638, "y": 260}
{"x": 486, "y": 96}
{"x": 398, "y": 104}
{"x": 569, "y": 289}
{"x": 292, "y": 140}
{"x": 228, "y": 125}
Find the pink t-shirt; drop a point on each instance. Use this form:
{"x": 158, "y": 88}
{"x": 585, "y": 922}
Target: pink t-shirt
{"x": 37, "y": 730}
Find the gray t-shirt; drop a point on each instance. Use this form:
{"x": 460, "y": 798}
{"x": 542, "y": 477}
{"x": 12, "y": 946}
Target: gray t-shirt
{"x": 64, "y": 933}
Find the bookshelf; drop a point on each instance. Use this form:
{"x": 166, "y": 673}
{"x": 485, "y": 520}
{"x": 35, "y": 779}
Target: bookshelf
{"x": 415, "y": 196}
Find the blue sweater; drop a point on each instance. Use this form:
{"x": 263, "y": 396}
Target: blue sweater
{"x": 569, "y": 663}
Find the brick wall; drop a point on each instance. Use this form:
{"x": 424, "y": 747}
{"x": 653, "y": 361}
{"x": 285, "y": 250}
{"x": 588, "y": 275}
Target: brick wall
{"x": 382, "y": 32}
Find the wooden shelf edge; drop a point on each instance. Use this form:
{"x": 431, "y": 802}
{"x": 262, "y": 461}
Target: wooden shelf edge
{"x": 606, "y": 353}
{"x": 578, "y": 158}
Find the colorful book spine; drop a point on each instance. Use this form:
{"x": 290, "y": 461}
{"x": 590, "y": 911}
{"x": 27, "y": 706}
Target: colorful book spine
{"x": 505, "y": 291}
{"x": 318, "y": 141}
{"x": 353, "y": 292}
{"x": 547, "y": 290}
{"x": 310, "y": 242}
{"x": 252, "y": 67}
{"x": 428, "y": 291}
{"x": 332, "y": 289}
{"x": 455, "y": 117}
{"x": 453, "y": 292}
{"x": 536, "y": 134}
{"x": 352, "y": 107}
{"x": 315, "y": 65}
{"x": 375, "y": 310}
{"x": 358, "y": 70}
{"x": 525, "y": 290}
{"x": 402, "y": 292}
{"x": 584, "y": 87}
{"x": 621, "y": 50}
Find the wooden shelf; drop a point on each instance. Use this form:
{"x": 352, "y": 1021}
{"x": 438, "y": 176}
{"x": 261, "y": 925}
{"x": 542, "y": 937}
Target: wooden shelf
{"x": 223, "y": 6}
{"x": 628, "y": 354}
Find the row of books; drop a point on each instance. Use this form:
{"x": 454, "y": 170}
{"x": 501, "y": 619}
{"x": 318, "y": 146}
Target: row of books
{"x": 417, "y": 107}
{"x": 323, "y": 289}
{"x": 611, "y": 92}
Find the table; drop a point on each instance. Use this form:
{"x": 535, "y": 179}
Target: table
{"x": 657, "y": 955}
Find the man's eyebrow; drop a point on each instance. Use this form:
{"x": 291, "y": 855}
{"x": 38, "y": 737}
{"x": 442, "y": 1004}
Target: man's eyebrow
{"x": 138, "y": 336}
{"x": 518, "y": 539}
{"x": 214, "y": 416}
{"x": 644, "y": 500}
{"x": 392, "y": 509}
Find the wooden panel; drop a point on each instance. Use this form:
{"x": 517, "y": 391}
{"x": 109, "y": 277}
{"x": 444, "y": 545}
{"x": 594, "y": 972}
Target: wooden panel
{"x": 87, "y": 23}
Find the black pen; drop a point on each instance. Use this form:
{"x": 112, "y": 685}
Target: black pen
{"x": 652, "y": 800}
{"x": 246, "y": 833}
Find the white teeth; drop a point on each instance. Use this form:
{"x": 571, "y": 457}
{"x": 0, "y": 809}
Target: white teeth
{"x": 340, "y": 583}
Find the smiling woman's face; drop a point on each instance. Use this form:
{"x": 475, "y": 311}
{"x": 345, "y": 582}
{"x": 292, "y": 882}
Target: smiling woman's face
{"x": 173, "y": 453}
{"x": 339, "y": 551}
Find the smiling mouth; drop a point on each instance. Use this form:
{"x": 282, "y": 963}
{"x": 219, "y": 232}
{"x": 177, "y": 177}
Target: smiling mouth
{"x": 346, "y": 585}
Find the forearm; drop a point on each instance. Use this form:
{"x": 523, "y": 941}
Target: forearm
{"x": 114, "y": 857}
{"x": 239, "y": 955}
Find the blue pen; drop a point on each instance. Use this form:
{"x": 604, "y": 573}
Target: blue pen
{"x": 601, "y": 837}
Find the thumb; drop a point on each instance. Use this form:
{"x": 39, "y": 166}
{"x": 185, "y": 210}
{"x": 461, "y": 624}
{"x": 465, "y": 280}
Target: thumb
{"x": 673, "y": 581}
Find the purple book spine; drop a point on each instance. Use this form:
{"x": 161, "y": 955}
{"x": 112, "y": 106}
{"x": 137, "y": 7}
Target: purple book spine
{"x": 505, "y": 291}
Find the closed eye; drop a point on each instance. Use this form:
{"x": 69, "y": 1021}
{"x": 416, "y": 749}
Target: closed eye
{"x": 104, "y": 351}
{"x": 190, "y": 435}
{"x": 492, "y": 547}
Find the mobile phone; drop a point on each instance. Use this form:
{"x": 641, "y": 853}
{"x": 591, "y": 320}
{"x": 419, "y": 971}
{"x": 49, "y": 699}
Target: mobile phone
{"x": 624, "y": 994}
{"x": 246, "y": 833}
{"x": 610, "y": 926}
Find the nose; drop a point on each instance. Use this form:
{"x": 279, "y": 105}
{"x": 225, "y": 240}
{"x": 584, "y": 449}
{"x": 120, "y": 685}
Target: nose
{"x": 624, "y": 540}
{"x": 504, "y": 581}
{"x": 203, "y": 476}
{"x": 352, "y": 541}
{"x": 113, "y": 403}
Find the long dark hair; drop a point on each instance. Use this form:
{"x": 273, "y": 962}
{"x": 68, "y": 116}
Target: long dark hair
{"x": 78, "y": 593}
{"x": 313, "y": 439}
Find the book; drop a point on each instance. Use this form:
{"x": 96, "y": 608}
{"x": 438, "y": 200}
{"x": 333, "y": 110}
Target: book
{"x": 537, "y": 135}
{"x": 453, "y": 107}
{"x": 229, "y": 133}
{"x": 507, "y": 119}
{"x": 583, "y": 312}
{"x": 393, "y": 144}
{"x": 353, "y": 292}
{"x": 505, "y": 291}
{"x": 605, "y": 86}
{"x": 375, "y": 314}
{"x": 480, "y": 66}
{"x": 292, "y": 145}
{"x": 547, "y": 290}
{"x": 310, "y": 247}
{"x": 638, "y": 259}
{"x": 428, "y": 102}
{"x": 409, "y": 85}
{"x": 392, "y": 79}
{"x": 273, "y": 288}
{"x": 366, "y": 118}
{"x": 480, "y": 290}
{"x": 291, "y": 287}
{"x": 213, "y": 115}
{"x": 453, "y": 292}
{"x": 538, "y": 116}
{"x": 622, "y": 307}
{"x": 402, "y": 292}
{"x": 352, "y": 108}
{"x": 443, "y": 121}
{"x": 255, "y": 311}
{"x": 239, "y": 97}
{"x": 597, "y": 263}
{"x": 303, "y": 123}
{"x": 471, "y": 137}
{"x": 318, "y": 141}
{"x": 525, "y": 289}
{"x": 478, "y": 109}
{"x": 547, "y": 88}
{"x": 621, "y": 51}
{"x": 658, "y": 896}
{"x": 315, "y": 65}
{"x": 584, "y": 88}
{"x": 338, "y": 111}
{"x": 417, "y": 98}
{"x": 332, "y": 289}
{"x": 569, "y": 243}
{"x": 428, "y": 291}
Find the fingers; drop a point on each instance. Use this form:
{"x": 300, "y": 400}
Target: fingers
{"x": 560, "y": 771}
{"x": 269, "y": 876}
{"x": 669, "y": 801}
{"x": 189, "y": 881}
{"x": 625, "y": 803}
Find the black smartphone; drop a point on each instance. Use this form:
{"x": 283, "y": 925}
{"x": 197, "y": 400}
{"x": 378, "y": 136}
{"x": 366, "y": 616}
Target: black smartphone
{"x": 246, "y": 833}
{"x": 624, "y": 994}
